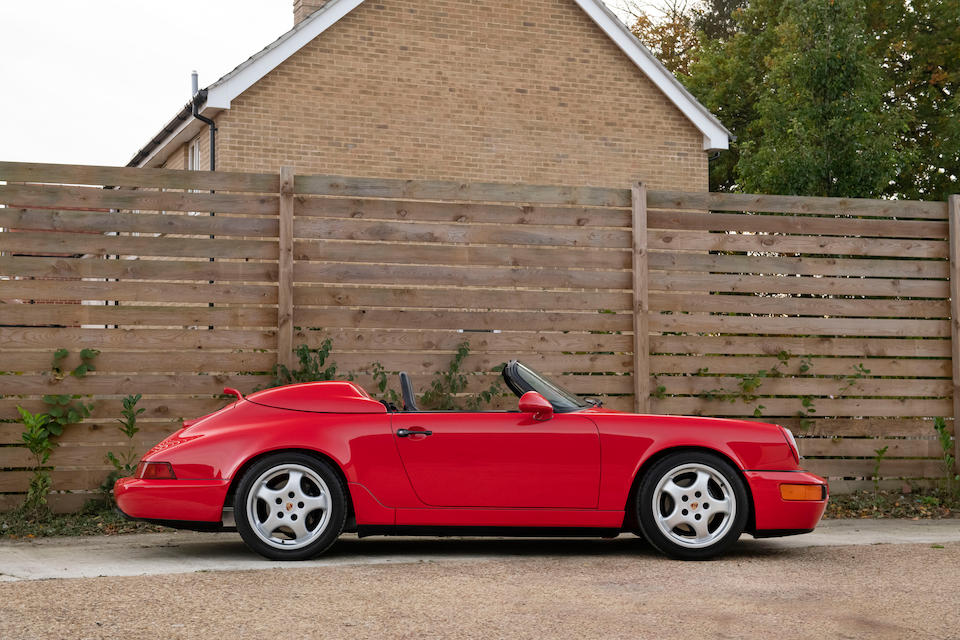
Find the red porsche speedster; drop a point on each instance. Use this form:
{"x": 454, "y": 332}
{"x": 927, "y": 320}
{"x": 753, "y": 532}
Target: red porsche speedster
{"x": 294, "y": 467}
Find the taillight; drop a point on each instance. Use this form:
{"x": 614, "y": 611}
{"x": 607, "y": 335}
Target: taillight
{"x": 155, "y": 471}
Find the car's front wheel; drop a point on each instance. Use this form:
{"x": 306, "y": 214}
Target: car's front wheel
{"x": 290, "y": 506}
{"x": 692, "y": 505}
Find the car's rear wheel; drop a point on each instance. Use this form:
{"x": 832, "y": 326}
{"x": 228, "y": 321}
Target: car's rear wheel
{"x": 692, "y": 505}
{"x": 290, "y": 506}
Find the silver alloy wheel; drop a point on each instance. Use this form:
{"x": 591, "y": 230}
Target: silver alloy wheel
{"x": 288, "y": 506}
{"x": 694, "y": 505}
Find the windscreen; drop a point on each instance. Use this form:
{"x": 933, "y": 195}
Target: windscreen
{"x": 529, "y": 380}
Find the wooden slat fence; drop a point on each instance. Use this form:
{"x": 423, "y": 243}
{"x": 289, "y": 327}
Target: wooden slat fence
{"x": 194, "y": 281}
{"x": 828, "y": 316}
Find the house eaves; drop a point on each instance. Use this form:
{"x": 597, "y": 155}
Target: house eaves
{"x": 219, "y": 95}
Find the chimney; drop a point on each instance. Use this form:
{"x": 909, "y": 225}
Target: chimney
{"x": 303, "y": 8}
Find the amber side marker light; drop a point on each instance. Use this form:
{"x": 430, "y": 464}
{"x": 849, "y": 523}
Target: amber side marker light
{"x": 802, "y": 492}
{"x": 155, "y": 471}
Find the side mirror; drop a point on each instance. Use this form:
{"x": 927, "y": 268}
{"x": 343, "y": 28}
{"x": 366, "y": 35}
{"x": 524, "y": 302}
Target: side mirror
{"x": 533, "y": 402}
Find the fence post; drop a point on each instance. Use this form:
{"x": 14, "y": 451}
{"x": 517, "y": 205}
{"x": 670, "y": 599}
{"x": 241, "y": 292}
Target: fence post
{"x": 285, "y": 271}
{"x": 641, "y": 302}
{"x": 954, "y": 213}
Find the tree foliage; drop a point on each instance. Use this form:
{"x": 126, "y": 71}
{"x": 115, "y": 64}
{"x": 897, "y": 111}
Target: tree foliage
{"x": 825, "y": 97}
{"x": 822, "y": 127}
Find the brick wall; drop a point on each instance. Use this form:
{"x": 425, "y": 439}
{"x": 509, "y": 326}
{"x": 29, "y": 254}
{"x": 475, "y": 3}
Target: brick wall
{"x": 527, "y": 91}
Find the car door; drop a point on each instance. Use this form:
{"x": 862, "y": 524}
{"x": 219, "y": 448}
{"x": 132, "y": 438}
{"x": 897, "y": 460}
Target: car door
{"x": 500, "y": 459}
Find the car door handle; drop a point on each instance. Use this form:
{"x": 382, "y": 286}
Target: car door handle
{"x": 404, "y": 433}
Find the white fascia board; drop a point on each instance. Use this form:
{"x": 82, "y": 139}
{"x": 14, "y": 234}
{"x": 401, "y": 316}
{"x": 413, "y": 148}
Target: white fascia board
{"x": 187, "y": 131}
{"x": 221, "y": 93}
{"x": 715, "y": 135}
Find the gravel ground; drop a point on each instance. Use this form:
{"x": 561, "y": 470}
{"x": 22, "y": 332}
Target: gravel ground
{"x": 518, "y": 589}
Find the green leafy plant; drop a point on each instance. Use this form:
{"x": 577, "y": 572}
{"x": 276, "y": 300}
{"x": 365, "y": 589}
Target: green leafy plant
{"x": 880, "y": 454}
{"x": 125, "y": 464}
{"x": 387, "y": 393}
{"x": 67, "y": 409}
{"x": 948, "y": 459}
{"x": 447, "y": 384}
{"x": 848, "y": 381}
{"x": 40, "y": 429}
{"x": 313, "y": 367}
{"x": 37, "y": 435}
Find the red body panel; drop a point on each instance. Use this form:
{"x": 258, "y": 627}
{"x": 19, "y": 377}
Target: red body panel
{"x": 773, "y": 512}
{"x": 505, "y": 460}
{"x": 195, "y": 500}
{"x": 476, "y": 469}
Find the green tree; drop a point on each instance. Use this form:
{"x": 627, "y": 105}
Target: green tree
{"x": 716, "y": 19}
{"x": 919, "y": 44}
{"x": 729, "y": 76}
{"x": 823, "y": 127}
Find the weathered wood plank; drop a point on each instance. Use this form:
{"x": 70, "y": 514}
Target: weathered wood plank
{"x": 285, "y": 281}
{"x": 864, "y": 468}
{"x": 695, "y": 221}
{"x": 135, "y": 177}
{"x": 954, "y": 212}
{"x": 407, "y": 254}
{"x": 137, "y": 291}
{"x": 843, "y": 487}
{"x": 860, "y": 427}
{"x": 99, "y": 199}
{"x": 459, "y": 233}
{"x": 138, "y": 361}
{"x": 703, "y": 323}
{"x": 59, "y": 502}
{"x": 54, "y": 242}
{"x": 508, "y": 343}
{"x": 459, "y": 212}
{"x": 468, "y": 320}
{"x": 461, "y": 276}
{"x": 194, "y": 270}
{"x": 790, "y": 305}
{"x": 458, "y": 298}
{"x": 820, "y": 387}
{"x": 73, "y": 315}
{"x": 797, "y": 205}
{"x": 168, "y": 223}
{"x": 101, "y": 427}
{"x": 669, "y": 281}
{"x": 800, "y": 346}
{"x": 641, "y": 302}
{"x": 661, "y": 240}
{"x": 818, "y": 366}
{"x": 866, "y": 447}
{"x": 806, "y": 266}
{"x": 107, "y": 384}
{"x": 460, "y": 191}
{"x": 789, "y": 407}
{"x": 43, "y": 338}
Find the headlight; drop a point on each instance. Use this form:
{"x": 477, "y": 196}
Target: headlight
{"x": 792, "y": 442}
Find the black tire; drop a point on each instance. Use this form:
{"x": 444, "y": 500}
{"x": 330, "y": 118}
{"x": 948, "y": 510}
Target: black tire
{"x": 306, "y": 510}
{"x": 680, "y": 488}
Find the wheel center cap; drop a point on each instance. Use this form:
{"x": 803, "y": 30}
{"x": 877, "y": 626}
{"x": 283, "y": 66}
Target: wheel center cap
{"x": 693, "y": 505}
{"x": 289, "y": 506}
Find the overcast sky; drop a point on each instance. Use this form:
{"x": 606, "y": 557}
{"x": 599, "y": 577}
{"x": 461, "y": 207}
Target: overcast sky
{"x": 91, "y": 81}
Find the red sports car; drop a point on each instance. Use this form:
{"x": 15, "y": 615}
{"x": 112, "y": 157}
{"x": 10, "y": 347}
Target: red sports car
{"x": 294, "y": 467}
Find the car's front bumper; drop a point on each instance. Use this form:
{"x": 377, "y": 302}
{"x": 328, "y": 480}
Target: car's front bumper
{"x": 172, "y": 500}
{"x": 775, "y": 516}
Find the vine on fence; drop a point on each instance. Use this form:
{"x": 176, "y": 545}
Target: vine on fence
{"x": 749, "y": 385}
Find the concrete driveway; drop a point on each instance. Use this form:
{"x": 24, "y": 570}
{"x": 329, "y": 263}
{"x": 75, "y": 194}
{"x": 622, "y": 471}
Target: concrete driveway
{"x": 850, "y": 579}
{"x": 189, "y": 552}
